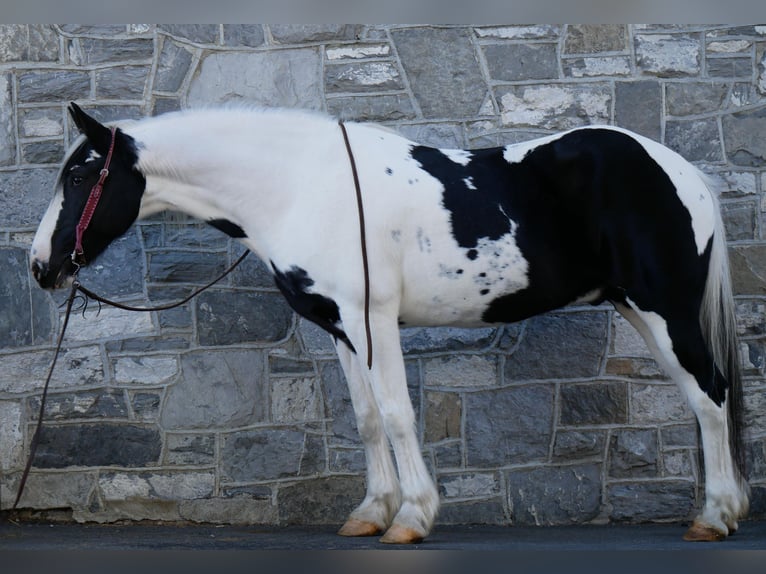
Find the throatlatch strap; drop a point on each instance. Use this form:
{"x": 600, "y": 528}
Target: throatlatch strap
{"x": 363, "y": 237}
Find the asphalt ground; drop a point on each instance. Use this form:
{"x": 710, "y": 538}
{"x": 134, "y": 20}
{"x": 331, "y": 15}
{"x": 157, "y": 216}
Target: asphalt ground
{"x": 144, "y": 547}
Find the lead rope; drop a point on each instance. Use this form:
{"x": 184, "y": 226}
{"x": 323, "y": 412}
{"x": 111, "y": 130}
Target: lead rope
{"x": 363, "y": 237}
{"x": 77, "y": 287}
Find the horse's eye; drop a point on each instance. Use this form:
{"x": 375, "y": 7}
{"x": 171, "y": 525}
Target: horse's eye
{"x": 77, "y": 180}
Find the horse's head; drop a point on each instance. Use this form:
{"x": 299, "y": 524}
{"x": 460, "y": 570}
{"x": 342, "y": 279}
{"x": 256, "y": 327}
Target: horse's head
{"x": 51, "y": 257}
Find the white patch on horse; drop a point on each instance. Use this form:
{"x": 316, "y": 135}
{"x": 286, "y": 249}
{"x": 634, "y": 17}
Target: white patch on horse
{"x": 459, "y": 156}
{"x": 93, "y": 156}
{"x": 468, "y": 181}
{"x": 41, "y": 244}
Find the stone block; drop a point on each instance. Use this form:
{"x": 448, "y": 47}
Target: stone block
{"x": 575, "y": 445}
{"x": 122, "y": 82}
{"x": 176, "y": 485}
{"x": 349, "y": 461}
{"x": 445, "y": 339}
{"x": 555, "y": 495}
{"x": 695, "y": 140}
{"x": 252, "y": 272}
{"x": 507, "y": 426}
{"x": 295, "y": 400}
{"x": 28, "y": 43}
{"x": 42, "y": 152}
{"x": 172, "y": 67}
{"x": 473, "y": 512}
{"x": 87, "y": 51}
{"x": 145, "y": 370}
{"x": 468, "y": 485}
{"x": 7, "y": 132}
{"x": 363, "y": 77}
{"x": 741, "y": 136}
{"x": 438, "y": 134}
{"x": 730, "y": 67}
{"x": 190, "y": 449}
{"x": 633, "y": 454}
{"x": 517, "y": 62}
{"x": 325, "y": 500}
{"x": 636, "y": 368}
{"x": 751, "y": 318}
{"x": 579, "y": 341}
{"x": 658, "y": 404}
{"x": 198, "y": 33}
{"x": 11, "y": 436}
{"x": 41, "y": 122}
{"x": 108, "y": 323}
{"x": 626, "y": 340}
{"x": 754, "y": 413}
{"x": 230, "y": 317}
{"x": 262, "y": 454}
{"x": 98, "y": 444}
{"x": 594, "y": 404}
{"x": 518, "y": 32}
{"x": 118, "y": 272}
{"x": 594, "y": 66}
{"x": 53, "y": 86}
{"x": 378, "y": 108}
{"x": 748, "y": 269}
{"x": 651, "y": 501}
{"x": 448, "y": 455}
{"x": 145, "y": 405}
{"x": 357, "y": 51}
{"x": 443, "y": 87}
{"x": 338, "y": 407}
{"x": 25, "y": 195}
{"x": 53, "y": 490}
{"x": 693, "y": 98}
{"x": 310, "y": 33}
{"x": 678, "y": 464}
{"x": 677, "y": 436}
{"x": 740, "y": 220}
{"x": 184, "y": 267}
{"x": 668, "y": 55}
{"x": 458, "y": 371}
{"x": 98, "y": 404}
{"x": 238, "y": 511}
{"x": 554, "y": 107}
{"x": 25, "y": 311}
{"x": 250, "y": 35}
{"x": 736, "y": 183}
{"x": 76, "y": 367}
{"x": 285, "y": 365}
{"x": 595, "y": 38}
{"x": 443, "y": 415}
{"x": 286, "y": 78}
{"x": 222, "y": 389}
{"x": 316, "y": 340}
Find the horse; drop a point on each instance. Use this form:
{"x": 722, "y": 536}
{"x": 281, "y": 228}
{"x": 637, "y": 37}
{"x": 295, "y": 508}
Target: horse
{"x": 448, "y": 237}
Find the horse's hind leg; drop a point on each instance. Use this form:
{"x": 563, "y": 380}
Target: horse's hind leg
{"x": 375, "y": 513}
{"x": 685, "y": 358}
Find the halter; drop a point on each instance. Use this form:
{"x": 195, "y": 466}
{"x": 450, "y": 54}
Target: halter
{"x": 92, "y": 203}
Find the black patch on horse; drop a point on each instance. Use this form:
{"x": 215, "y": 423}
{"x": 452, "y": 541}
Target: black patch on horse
{"x": 316, "y": 308}
{"x": 228, "y": 227}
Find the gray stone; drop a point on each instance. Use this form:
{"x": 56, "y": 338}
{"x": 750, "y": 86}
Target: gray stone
{"x": 510, "y": 425}
{"x": 198, "y": 33}
{"x": 285, "y": 78}
{"x": 686, "y": 99}
{"x": 740, "y": 220}
{"x": 316, "y": 340}
{"x": 98, "y": 444}
{"x": 295, "y": 400}
{"x": 443, "y": 414}
{"x": 85, "y": 51}
{"x": 190, "y": 449}
{"x": 25, "y": 313}
{"x": 457, "y": 371}
{"x": 250, "y": 35}
{"x": 145, "y": 370}
{"x": 638, "y": 107}
{"x": 184, "y": 266}
{"x": 305, "y": 33}
{"x": 262, "y": 454}
{"x": 448, "y": 455}
{"x": 634, "y": 367}
{"x": 473, "y": 512}
{"x": 559, "y": 346}
{"x": 441, "y": 135}
{"x": 678, "y": 464}
{"x": 520, "y": 32}
{"x": 555, "y": 495}
{"x": 28, "y": 43}
{"x": 253, "y": 272}
{"x": 748, "y": 269}
{"x": 25, "y": 372}
{"x": 118, "y": 272}
{"x": 7, "y": 132}
{"x": 362, "y": 77}
{"x": 56, "y": 490}
{"x": 695, "y": 140}
{"x": 552, "y": 106}
{"x": 651, "y": 501}
{"x": 99, "y": 404}
{"x": 349, "y": 461}
{"x": 146, "y": 406}
{"x": 667, "y": 55}
{"x": 42, "y": 152}
{"x": 594, "y": 66}
{"x": 515, "y": 62}
{"x": 574, "y": 445}
{"x": 175, "y": 485}
{"x": 443, "y": 87}
{"x": 751, "y": 318}
{"x": 633, "y": 453}
{"x": 241, "y": 510}
{"x": 658, "y": 404}
{"x": 41, "y": 122}
{"x": 730, "y": 67}
{"x": 13, "y": 43}
{"x": 594, "y": 404}
{"x": 384, "y": 107}
{"x": 741, "y": 136}
{"x": 338, "y": 407}
{"x": 217, "y": 389}
{"x": 11, "y": 455}
{"x": 43, "y": 43}
{"x": 165, "y": 105}
{"x": 320, "y": 500}
{"x": 594, "y": 38}
{"x": 228, "y": 317}
{"x": 122, "y": 82}
{"x": 284, "y": 365}
{"x": 173, "y": 64}
{"x": 53, "y": 85}
{"x": 468, "y": 485}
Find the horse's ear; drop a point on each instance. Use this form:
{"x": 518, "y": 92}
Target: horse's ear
{"x": 97, "y": 133}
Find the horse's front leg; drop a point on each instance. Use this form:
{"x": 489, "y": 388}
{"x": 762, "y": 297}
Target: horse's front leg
{"x": 377, "y": 510}
{"x": 388, "y": 384}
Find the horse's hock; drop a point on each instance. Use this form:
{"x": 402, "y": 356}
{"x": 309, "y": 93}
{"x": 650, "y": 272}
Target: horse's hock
{"x": 234, "y": 410}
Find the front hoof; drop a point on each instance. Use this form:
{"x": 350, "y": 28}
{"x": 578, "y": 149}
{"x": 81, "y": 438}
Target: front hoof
{"x": 401, "y": 535}
{"x": 354, "y": 527}
{"x": 703, "y": 533}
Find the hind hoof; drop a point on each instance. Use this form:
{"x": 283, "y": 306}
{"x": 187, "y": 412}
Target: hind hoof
{"x": 354, "y": 527}
{"x": 401, "y": 535}
{"x": 703, "y": 533}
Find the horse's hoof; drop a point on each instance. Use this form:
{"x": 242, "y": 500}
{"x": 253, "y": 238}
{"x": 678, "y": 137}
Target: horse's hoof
{"x": 354, "y": 527}
{"x": 401, "y": 535}
{"x": 703, "y": 533}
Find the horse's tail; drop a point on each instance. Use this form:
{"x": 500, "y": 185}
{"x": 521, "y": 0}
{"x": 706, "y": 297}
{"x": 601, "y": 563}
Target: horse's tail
{"x": 719, "y": 327}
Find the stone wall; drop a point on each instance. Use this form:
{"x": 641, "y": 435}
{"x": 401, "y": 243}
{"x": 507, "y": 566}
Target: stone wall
{"x": 234, "y": 410}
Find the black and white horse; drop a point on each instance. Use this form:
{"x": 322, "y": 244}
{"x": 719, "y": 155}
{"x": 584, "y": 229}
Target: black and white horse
{"x": 453, "y": 237}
